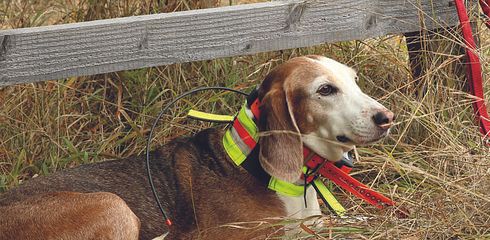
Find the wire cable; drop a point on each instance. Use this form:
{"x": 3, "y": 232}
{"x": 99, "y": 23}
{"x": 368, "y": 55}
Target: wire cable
{"x": 168, "y": 222}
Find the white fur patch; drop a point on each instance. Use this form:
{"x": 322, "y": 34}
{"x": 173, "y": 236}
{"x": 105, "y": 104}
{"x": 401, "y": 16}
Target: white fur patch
{"x": 309, "y": 118}
{"x": 161, "y": 237}
{"x": 295, "y": 206}
{"x": 325, "y": 146}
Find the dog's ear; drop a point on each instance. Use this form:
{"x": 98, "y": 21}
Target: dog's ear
{"x": 281, "y": 148}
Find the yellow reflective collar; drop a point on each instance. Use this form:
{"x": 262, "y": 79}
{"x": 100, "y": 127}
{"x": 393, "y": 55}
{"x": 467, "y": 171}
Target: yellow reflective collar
{"x": 210, "y": 117}
{"x": 328, "y": 197}
{"x": 285, "y": 188}
{"x": 237, "y": 150}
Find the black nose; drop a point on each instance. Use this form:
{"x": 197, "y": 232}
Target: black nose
{"x": 384, "y": 119}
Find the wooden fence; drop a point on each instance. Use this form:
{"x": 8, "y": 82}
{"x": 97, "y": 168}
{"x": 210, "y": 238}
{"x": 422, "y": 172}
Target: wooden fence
{"x": 60, "y": 51}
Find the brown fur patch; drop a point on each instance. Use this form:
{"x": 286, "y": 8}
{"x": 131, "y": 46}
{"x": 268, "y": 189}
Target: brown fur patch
{"x": 281, "y": 152}
{"x": 66, "y": 215}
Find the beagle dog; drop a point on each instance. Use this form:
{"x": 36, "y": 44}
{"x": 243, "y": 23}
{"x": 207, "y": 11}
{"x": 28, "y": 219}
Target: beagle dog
{"x": 310, "y": 101}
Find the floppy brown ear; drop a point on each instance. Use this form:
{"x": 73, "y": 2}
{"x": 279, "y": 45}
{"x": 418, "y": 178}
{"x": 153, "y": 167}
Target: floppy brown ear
{"x": 281, "y": 148}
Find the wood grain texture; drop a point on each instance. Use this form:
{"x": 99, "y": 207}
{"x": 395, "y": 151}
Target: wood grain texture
{"x": 54, "y": 52}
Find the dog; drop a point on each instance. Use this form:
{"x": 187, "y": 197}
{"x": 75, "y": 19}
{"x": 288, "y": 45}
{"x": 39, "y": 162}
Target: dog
{"x": 310, "y": 101}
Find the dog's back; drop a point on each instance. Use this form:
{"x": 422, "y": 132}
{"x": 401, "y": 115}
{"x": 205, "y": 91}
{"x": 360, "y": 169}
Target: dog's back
{"x": 192, "y": 176}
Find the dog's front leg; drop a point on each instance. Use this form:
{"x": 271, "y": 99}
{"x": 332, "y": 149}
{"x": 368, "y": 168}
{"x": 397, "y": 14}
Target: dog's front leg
{"x": 296, "y": 209}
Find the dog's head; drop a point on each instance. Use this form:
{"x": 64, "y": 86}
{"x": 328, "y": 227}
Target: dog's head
{"x": 315, "y": 101}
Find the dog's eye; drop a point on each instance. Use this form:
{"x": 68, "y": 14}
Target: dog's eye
{"x": 326, "y": 90}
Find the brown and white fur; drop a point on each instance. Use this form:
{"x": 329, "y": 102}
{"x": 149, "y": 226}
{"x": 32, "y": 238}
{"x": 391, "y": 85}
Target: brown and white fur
{"x": 309, "y": 100}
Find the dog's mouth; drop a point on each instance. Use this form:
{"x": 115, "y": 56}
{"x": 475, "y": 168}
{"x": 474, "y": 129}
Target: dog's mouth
{"x": 343, "y": 139}
{"x": 358, "y": 139}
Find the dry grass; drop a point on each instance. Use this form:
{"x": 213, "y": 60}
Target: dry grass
{"x": 434, "y": 163}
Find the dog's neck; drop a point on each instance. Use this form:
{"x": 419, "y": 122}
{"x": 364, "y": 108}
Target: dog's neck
{"x": 240, "y": 143}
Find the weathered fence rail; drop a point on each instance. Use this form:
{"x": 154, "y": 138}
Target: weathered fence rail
{"x": 54, "y": 52}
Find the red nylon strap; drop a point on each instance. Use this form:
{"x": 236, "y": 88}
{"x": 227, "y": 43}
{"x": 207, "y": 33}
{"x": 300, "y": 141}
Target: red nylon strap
{"x": 345, "y": 169}
{"x": 313, "y": 161}
{"x": 244, "y": 135}
{"x": 344, "y": 180}
{"x": 485, "y": 6}
{"x": 474, "y": 68}
{"x": 254, "y": 107}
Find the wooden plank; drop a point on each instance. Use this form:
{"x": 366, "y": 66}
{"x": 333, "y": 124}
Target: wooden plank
{"x": 54, "y": 52}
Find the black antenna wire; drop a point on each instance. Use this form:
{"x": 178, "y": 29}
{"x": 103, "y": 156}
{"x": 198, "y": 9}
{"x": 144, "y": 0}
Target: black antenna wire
{"x": 148, "y": 172}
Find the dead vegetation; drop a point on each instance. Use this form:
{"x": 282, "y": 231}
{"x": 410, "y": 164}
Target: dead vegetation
{"x": 433, "y": 164}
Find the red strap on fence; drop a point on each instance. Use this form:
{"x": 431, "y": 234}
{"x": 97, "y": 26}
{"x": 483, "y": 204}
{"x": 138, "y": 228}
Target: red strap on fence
{"x": 474, "y": 73}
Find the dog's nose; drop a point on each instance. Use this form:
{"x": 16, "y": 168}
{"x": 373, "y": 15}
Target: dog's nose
{"x": 384, "y": 119}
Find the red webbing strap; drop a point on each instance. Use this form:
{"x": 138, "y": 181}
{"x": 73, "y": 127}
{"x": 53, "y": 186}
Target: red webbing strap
{"x": 485, "y": 6}
{"x": 474, "y": 70}
{"x": 254, "y": 107}
{"x": 244, "y": 135}
{"x": 344, "y": 180}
